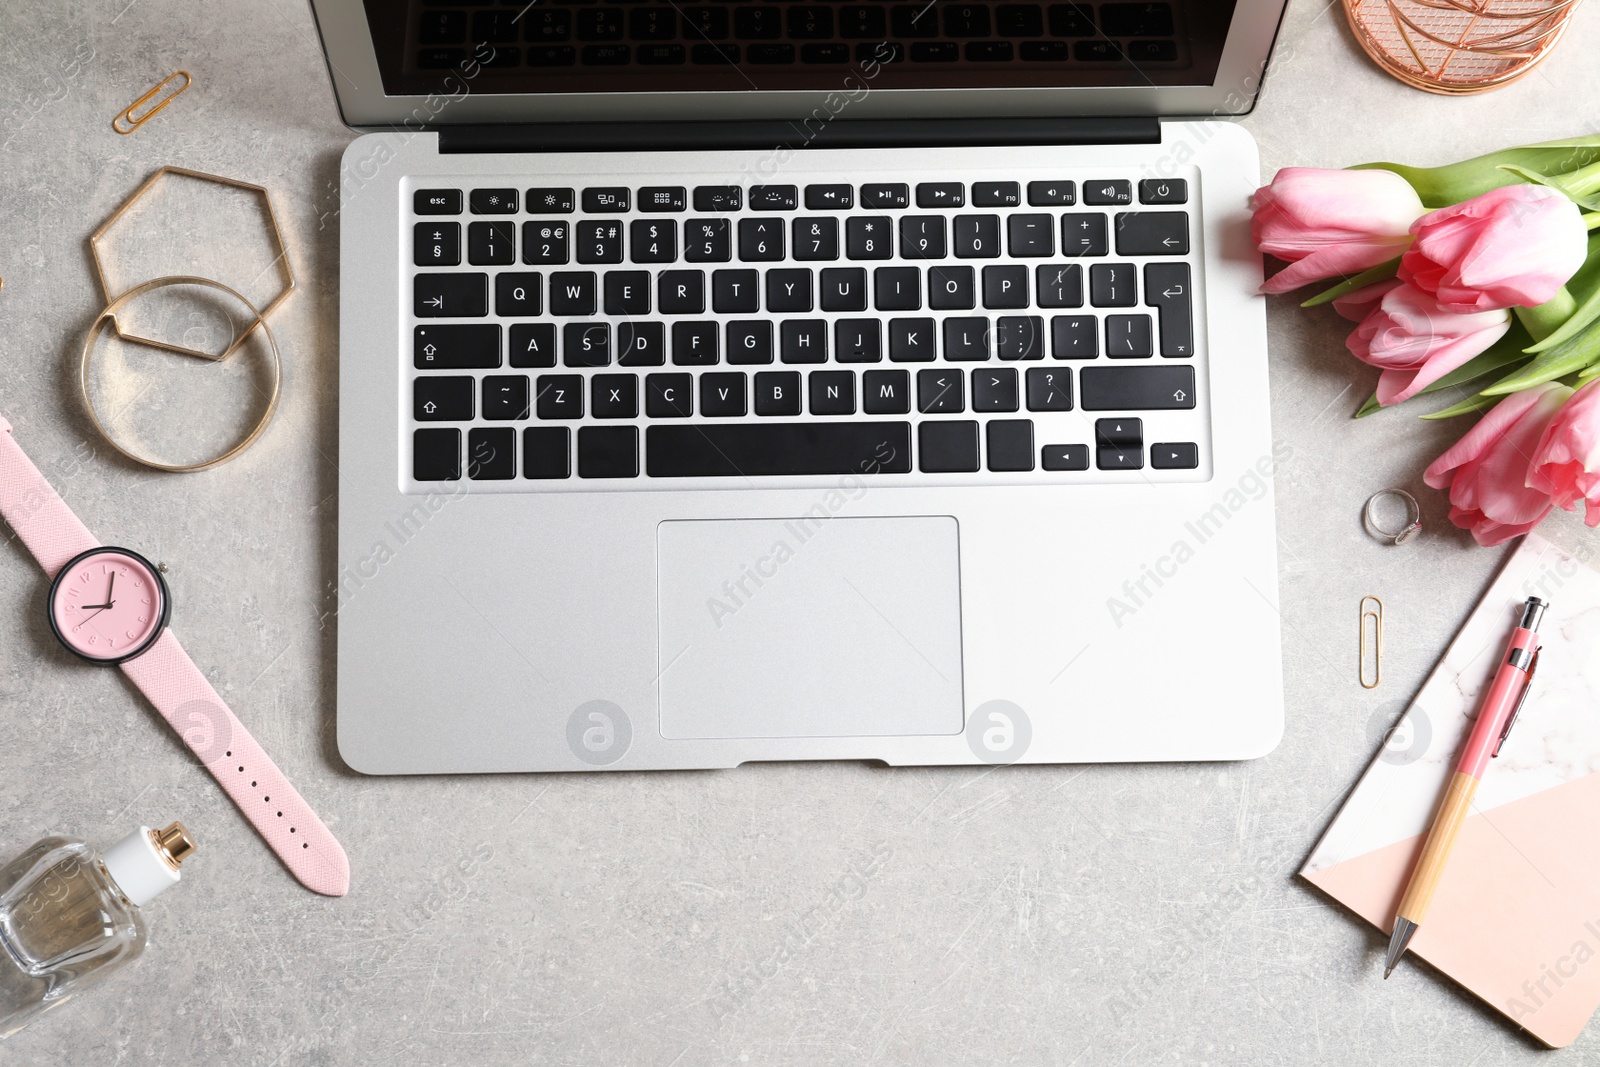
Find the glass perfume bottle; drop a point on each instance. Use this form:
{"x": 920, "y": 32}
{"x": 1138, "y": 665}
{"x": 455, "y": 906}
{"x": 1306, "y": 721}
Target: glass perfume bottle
{"x": 70, "y": 916}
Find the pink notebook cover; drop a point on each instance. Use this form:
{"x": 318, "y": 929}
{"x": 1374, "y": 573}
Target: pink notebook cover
{"x": 1517, "y": 917}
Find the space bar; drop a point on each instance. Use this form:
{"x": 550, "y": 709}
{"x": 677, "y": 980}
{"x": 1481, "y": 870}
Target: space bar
{"x": 745, "y": 449}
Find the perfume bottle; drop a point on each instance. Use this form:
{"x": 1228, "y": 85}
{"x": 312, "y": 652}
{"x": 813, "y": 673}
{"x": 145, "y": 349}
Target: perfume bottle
{"x": 69, "y": 916}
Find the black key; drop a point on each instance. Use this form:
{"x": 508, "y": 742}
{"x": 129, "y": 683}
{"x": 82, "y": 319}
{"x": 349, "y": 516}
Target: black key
{"x": 456, "y": 347}
{"x": 789, "y": 290}
{"x": 760, "y": 240}
{"x": 1123, "y": 432}
{"x": 886, "y": 392}
{"x": 1049, "y": 389}
{"x": 922, "y": 237}
{"x": 857, "y": 341}
{"x": 833, "y": 392}
{"x": 1052, "y": 194}
{"x": 436, "y": 244}
{"x": 844, "y": 289}
{"x": 1152, "y": 51}
{"x": 548, "y": 200}
{"x": 546, "y": 452}
{"x": 1005, "y": 286}
{"x": 441, "y": 58}
{"x": 681, "y": 292}
{"x": 940, "y": 392}
{"x": 708, "y": 240}
{"x": 1152, "y": 233}
{"x": 862, "y": 22}
{"x": 505, "y": 397}
{"x": 1019, "y": 337}
{"x": 868, "y": 237}
{"x": 966, "y": 339}
{"x": 599, "y": 241}
{"x": 1136, "y": 20}
{"x": 652, "y": 24}
{"x": 1060, "y": 285}
{"x": 653, "y": 240}
{"x": 778, "y": 392}
{"x": 694, "y": 344}
{"x": 947, "y": 447}
{"x": 935, "y": 52}
{"x": 810, "y": 22}
{"x": 966, "y": 20}
{"x": 1166, "y": 287}
{"x": 1074, "y": 337}
{"x": 995, "y": 390}
{"x": 517, "y": 295}
{"x": 1112, "y": 458}
{"x": 641, "y": 344}
{"x": 977, "y": 236}
{"x": 1137, "y": 388}
{"x": 1020, "y": 20}
{"x": 437, "y": 398}
{"x": 743, "y": 449}
{"x": 669, "y": 396}
{"x": 735, "y": 291}
{"x": 662, "y": 198}
{"x": 708, "y": 22}
{"x": 715, "y": 54}
{"x": 559, "y": 396}
{"x": 1065, "y": 457}
{"x": 941, "y": 194}
{"x": 1112, "y": 191}
{"x": 586, "y": 344}
{"x": 1031, "y": 236}
{"x": 996, "y": 194}
{"x": 436, "y": 202}
{"x": 552, "y": 55}
{"x": 1175, "y": 456}
{"x": 492, "y": 243}
{"x": 722, "y": 395}
{"x": 915, "y": 20}
{"x": 614, "y": 396}
{"x": 1010, "y": 444}
{"x": 599, "y": 25}
{"x": 718, "y": 198}
{"x": 608, "y": 452}
{"x": 1128, "y": 337}
{"x": 988, "y": 51}
{"x": 450, "y": 296}
{"x": 804, "y": 340}
{"x": 749, "y": 341}
{"x": 545, "y": 243}
{"x": 897, "y": 288}
{"x": 774, "y": 198}
{"x": 572, "y": 292}
{"x": 1083, "y": 234}
{"x": 1163, "y": 191}
{"x": 493, "y": 201}
{"x": 436, "y": 455}
{"x": 606, "y": 55}
{"x": 605, "y": 199}
{"x": 627, "y": 292}
{"x": 830, "y": 197}
{"x": 758, "y": 23}
{"x": 1112, "y": 285}
{"x": 952, "y": 288}
{"x": 660, "y": 55}
{"x": 816, "y": 239}
{"x": 886, "y": 195}
{"x": 911, "y": 340}
{"x": 533, "y": 344}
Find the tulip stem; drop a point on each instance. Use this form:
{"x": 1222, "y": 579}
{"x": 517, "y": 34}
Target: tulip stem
{"x": 1542, "y": 321}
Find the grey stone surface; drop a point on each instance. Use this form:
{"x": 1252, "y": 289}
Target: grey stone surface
{"x": 831, "y": 913}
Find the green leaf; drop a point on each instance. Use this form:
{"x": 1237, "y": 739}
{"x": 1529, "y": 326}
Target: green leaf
{"x": 1368, "y": 408}
{"x": 1549, "y": 365}
{"x": 1588, "y": 201}
{"x": 1466, "y": 407}
{"x": 1440, "y": 186}
{"x": 1500, "y": 354}
{"x": 1367, "y": 277}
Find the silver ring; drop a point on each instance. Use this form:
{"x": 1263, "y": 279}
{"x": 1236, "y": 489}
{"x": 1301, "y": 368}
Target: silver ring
{"x": 1413, "y": 522}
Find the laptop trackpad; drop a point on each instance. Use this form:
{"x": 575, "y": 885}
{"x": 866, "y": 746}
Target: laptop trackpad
{"x": 809, "y": 627}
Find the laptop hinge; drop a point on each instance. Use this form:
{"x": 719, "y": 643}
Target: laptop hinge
{"x": 796, "y": 134}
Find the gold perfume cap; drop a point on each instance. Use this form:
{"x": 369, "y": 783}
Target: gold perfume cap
{"x": 174, "y": 843}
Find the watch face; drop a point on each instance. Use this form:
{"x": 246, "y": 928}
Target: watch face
{"x": 108, "y": 604}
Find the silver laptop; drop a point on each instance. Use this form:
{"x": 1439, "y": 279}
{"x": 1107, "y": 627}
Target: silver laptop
{"x": 749, "y": 380}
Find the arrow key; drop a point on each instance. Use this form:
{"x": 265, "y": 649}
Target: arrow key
{"x": 1152, "y": 233}
{"x": 442, "y": 399}
{"x": 1179, "y": 456}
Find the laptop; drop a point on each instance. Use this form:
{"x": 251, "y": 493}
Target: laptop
{"x": 740, "y": 380}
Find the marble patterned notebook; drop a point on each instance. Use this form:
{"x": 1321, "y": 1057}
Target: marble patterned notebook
{"x": 1517, "y": 918}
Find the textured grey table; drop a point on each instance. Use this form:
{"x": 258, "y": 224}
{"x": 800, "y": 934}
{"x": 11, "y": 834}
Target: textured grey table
{"x": 832, "y": 913}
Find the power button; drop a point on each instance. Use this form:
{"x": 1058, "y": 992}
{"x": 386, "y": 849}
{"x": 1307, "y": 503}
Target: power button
{"x": 1163, "y": 191}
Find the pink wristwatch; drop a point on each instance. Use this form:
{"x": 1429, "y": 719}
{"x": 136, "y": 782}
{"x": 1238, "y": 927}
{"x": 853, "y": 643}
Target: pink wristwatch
{"x": 110, "y": 606}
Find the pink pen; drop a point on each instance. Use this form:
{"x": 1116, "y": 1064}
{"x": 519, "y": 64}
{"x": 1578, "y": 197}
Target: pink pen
{"x": 1501, "y": 703}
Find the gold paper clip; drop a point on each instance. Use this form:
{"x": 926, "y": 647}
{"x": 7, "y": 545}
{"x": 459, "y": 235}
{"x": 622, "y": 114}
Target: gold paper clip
{"x": 126, "y": 122}
{"x": 1377, "y": 643}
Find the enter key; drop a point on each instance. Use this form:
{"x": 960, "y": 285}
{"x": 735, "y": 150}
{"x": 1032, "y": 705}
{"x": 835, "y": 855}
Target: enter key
{"x": 1166, "y": 288}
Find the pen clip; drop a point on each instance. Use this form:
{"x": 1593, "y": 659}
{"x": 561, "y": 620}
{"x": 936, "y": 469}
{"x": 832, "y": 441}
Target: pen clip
{"x": 1527, "y": 684}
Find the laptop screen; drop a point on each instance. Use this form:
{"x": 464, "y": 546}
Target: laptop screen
{"x": 739, "y": 46}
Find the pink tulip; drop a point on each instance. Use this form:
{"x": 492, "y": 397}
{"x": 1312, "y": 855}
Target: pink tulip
{"x": 1415, "y": 343}
{"x": 1487, "y": 471}
{"x": 1358, "y": 304}
{"x": 1514, "y": 246}
{"x": 1566, "y": 464}
{"x": 1331, "y": 222}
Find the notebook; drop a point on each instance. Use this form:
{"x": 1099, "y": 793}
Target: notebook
{"x": 1517, "y": 917}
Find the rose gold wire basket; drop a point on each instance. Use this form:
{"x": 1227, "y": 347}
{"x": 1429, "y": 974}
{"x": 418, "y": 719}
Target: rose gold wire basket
{"x": 1458, "y": 46}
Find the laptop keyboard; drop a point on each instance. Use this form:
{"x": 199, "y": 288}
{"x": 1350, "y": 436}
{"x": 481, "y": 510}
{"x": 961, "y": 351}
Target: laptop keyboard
{"x": 667, "y": 333}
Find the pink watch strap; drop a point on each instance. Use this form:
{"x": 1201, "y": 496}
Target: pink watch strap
{"x": 33, "y": 508}
{"x": 167, "y": 675}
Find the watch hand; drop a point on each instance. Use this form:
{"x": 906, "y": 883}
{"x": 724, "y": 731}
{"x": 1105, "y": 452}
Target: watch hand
{"x": 108, "y": 604}
{"x": 111, "y": 586}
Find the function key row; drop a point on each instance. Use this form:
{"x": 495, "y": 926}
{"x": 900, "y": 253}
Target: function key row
{"x": 836, "y": 197}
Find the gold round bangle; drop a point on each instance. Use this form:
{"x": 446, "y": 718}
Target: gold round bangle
{"x": 109, "y": 316}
